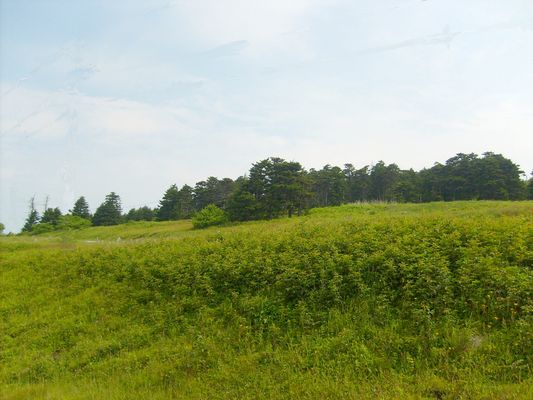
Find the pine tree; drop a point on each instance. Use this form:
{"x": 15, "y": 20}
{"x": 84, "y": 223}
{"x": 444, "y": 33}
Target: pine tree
{"x": 51, "y": 216}
{"x": 109, "y": 212}
{"x": 186, "y": 202}
{"x": 33, "y": 217}
{"x": 168, "y": 206}
{"x": 81, "y": 208}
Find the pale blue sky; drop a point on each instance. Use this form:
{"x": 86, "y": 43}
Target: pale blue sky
{"x": 132, "y": 96}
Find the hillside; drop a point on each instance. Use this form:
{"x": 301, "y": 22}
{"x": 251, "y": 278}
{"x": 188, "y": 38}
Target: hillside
{"x": 359, "y": 301}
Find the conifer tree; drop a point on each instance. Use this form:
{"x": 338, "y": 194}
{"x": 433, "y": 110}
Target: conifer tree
{"x": 109, "y": 212}
{"x": 51, "y": 216}
{"x": 81, "y": 208}
{"x": 168, "y": 205}
{"x": 33, "y": 217}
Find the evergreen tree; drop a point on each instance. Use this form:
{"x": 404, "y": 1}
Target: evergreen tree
{"x": 279, "y": 186}
{"x": 530, "y": 187}
{"x": 81, "y": 208}
{"x": 358, "y": 183}
{"x": 109, "y": 212}
{"x": 499, "y": 178}
{"x": 51, "y": 216}
{"x": 407, "y": 189}
{"x": 462, "y": 177}
{"x": 329, "y": 186}
{"x": 205, "y": 193}
{"x": 383, "y": 181}
{"x": 242, "y": 205}
{"x": 168, "y": 206}
{"x": 33, "y": 217}
{"x": 186, "y": 202}
{"x": 140, "y": 214}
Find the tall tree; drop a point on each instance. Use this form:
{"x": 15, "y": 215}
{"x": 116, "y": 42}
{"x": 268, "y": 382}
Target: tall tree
{"x": 499, "y": 178}
{"x": 33, "y": 217}
{"x": 242, "y": 205}
{"x": 328, "y": 185}
{"x": 224, "y": 190}
{"x": 81, "y": 208}
{"x": 279, "y": 186}
{"x": 383, "y": 180}
{"x": 461, "y": 177}
{"x": 109, "y": 212}
{"x": 358, "y": 183}
{"x": 407, "y": 189}
{"x": 168, "y": 205}
{"x": 185, "y": 202}
{"x": 205, "y": 193}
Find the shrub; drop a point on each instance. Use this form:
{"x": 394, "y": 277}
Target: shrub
{"x": 70, "y": 222}
{"x": 209, "y": 216}
{"x": 41, "y": 228}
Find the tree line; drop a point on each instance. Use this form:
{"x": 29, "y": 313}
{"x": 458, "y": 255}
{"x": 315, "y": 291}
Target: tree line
{"x": 275, "y": 187}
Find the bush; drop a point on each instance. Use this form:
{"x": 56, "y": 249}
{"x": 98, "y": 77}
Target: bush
{"x": 41, "y": 228}
{"x": 71, "y": 222}
{"x": 209, "y": 216}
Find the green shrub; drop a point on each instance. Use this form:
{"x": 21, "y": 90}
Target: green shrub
{"x": 209, "y": 216}
{"x": 41, "y": 228}
{"x": 70, "y": 222}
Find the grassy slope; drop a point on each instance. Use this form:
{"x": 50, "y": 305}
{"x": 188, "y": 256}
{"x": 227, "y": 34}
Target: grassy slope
{"x": 359, "y": 301}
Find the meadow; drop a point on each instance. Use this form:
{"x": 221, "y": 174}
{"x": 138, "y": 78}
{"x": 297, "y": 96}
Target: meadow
{"x": 361, "y": 301}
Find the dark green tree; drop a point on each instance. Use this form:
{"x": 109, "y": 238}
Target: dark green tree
{"x": 407, "y": 189}
{"x": 205, "y": 193}
{"x": 358, "y": 183}
{"x": 329, "y": 186}
{"x": 185, "y": 206}
{"x": 242, "y": 205}
{"x": 51, "y": 216}
{"x": 461, "y": 177}
{"x": 140, "y": 214}
{"x": 530, "y": 187}
{"x": 279, "y": 186}
{"x": 499, "y": 178}
{"x": 81, "y": 208}
{"x": 213, "y": 191}
{"x": 33, "y": 217}
{"x": 168, "y": 209}
{"x": 383, "y": 181}
{"x": 109, "y": 212}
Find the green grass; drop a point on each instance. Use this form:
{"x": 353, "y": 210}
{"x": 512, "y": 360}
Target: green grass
{"x": 360, "y": 301}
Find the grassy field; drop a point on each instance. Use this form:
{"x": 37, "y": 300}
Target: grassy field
{"x": 355, "y": 302}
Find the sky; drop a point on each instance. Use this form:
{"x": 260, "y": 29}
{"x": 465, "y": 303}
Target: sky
{"x": 132, "y": 96}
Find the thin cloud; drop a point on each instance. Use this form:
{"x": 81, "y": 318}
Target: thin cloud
{"x": 227, "y": 49}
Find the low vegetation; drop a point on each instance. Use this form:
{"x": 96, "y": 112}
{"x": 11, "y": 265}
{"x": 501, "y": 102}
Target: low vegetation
{"x": 359, "y": 301}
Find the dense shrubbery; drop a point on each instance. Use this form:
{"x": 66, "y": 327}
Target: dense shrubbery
{"x": 345, "y": 303}
{"x": 63, "y": 223}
